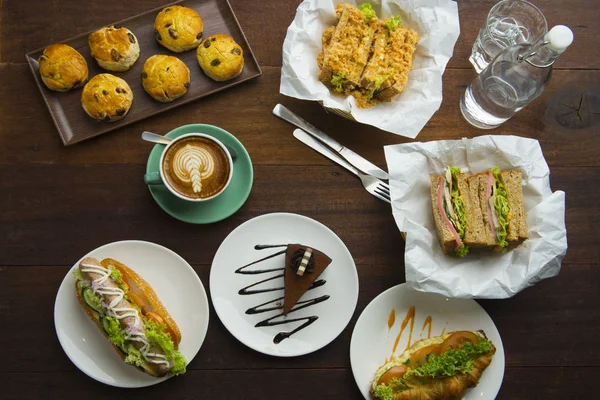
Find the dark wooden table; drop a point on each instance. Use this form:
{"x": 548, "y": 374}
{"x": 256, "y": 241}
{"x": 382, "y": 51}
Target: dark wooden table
{"x": 57, "y": 203}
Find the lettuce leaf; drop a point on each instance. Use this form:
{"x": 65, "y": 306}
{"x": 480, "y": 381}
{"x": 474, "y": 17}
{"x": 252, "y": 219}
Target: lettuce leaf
{"x": 460, "y": 223}
{"x": 77, "y": 275}
{"x": 116, "y": 335}
{"x": 368, "y": 10}
{"x": 116, "y": 275}
{"x": 451, "y": 363}
{"x": 156, "y": 334}
{"x": 338, "y": 80}
{"x": 134, "y": 356}
{"x": 384, "y": 392}
{"x": 393, "y": 22}
{"x": 94, "y": 300}
{"x": 502, "y": 209}
{"x": 462, "y": 251}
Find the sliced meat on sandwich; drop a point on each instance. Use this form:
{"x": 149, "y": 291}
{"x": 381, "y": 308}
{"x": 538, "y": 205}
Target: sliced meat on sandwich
{"x": 450, "y": 201}
{"x": 500, "y": 200}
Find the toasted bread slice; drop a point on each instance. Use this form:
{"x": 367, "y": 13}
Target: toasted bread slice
{"x": 517, "y": 220}
{"x": 377, "y": 71}
{"x": 473, "y": 232}
{"x": 325, "y": 40}
{"x": 444, "y": 234}
{"x": 402, "y": 43}
{"x": 480, "y": 231}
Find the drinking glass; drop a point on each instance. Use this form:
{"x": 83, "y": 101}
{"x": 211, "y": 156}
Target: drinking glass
{"x": 508, "y": 23}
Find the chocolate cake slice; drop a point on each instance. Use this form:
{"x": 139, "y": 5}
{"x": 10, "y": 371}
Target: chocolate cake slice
{"x": 303, "y": 265}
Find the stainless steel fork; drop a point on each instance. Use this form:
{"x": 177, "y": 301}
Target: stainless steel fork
{"x": 373, "y": 185}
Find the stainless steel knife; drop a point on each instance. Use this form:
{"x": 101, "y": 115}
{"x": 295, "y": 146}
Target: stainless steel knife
{"x": 356, "y": 160}
{"x": 324, "y": 150}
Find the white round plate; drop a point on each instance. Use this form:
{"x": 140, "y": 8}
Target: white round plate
{"x": 176, "y": 284}
{"x": 372, "y": 341}
{"x": 238, "y": 250}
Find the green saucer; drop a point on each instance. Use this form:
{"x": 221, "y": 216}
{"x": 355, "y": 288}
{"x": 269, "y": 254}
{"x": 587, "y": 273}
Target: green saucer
{"x": 220, "y": 207}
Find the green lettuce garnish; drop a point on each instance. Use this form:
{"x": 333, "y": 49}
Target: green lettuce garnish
{"x": 338, "y": 80}
{"x": 384, "y": 392}
{"x": 451, "y": 363}
{"x": 502, "y": 209}
{"x": 157, "y": 335}
{"x": 134, "y": 356}
{"x": 370, "y": 94}
{"x": 459, "y": 211}
{"x": 368, "y": 10}
{"x": 94, "y": 300}
{"x": 77, "y": 275}
{"x": 116, "y": 275}
{"x": 393, "y": 22}
{"x": 462, "y": 251}
{"x": 379, "y": 79}
{"x": 116, "y": 335}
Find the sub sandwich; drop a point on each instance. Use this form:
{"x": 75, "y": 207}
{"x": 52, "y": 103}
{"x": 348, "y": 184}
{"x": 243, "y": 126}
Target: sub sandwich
{"x": 130, "y": 315}
{"x": 484, "y": 211}
{"x": 438, "y": 368}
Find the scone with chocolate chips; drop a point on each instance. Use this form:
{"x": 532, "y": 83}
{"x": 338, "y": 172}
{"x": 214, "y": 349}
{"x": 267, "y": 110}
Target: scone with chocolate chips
{"x": 178, "y": 28}
{"x": 106, "y": 98}
{"x": 165, "y": 78}
{"x": 62, "y": 68}
{"x": 220, "y": 57}
{"x": 115, "y": 48}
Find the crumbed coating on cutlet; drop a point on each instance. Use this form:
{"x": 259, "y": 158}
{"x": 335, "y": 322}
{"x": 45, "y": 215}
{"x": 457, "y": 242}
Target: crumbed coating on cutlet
{"x": 399, "y": 58}
{"x": 365, "y": 58}
{"x": 350, "y": 45}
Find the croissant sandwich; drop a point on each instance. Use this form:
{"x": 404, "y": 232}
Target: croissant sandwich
{"x": 442, "y": 367}
{"x": 128, "y": 312}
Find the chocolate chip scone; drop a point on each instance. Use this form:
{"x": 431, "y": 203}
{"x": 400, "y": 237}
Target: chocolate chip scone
{"x": 178, "y": 28}
{"x": 165, "y": 78}
{"x": 115, "y": 48}
{"x": 62, "y": 68}
{"x": 106, "y": 98}
{"x": 220, "y": 57}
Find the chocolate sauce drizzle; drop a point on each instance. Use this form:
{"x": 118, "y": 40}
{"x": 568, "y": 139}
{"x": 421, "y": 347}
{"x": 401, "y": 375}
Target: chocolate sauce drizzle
{"x": 277, "y": 304}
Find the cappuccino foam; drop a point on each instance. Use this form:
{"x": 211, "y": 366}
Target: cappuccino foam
{"x": 196, "y": 167}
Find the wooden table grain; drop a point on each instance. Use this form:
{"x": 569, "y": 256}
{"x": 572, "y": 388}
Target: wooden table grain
{"x": 58, "y": 203}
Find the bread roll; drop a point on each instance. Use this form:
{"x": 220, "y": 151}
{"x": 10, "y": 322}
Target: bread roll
{"x": 165, "y": 78}
{"x": 220, "y": 57}
{"x": 106, "y": 98}
{"x": 178, "y": 28}
{"x": 115, "y": 48}
{"x": 62, "y": 68}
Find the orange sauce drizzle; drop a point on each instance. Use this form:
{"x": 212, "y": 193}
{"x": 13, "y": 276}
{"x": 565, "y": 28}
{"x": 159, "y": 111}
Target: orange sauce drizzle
{"x": 410, "y": 317}
{"x": 391, "y": 319}
{"x": 427, "y": 323}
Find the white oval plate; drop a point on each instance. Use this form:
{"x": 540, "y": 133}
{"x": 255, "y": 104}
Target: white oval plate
{"x": 372, "y": 342}
{"x": 176, "y": 284}
{"x": 238, "y": 250}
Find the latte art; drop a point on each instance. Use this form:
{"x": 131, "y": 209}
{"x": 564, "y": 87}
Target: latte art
{"x": 192, "y": 164}
{"x": 196, "y": 167}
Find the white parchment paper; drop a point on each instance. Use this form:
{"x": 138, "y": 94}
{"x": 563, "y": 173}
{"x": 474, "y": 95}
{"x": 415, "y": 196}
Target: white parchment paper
{"x": 436, "y": 21}
{"x": 493, "y": 275}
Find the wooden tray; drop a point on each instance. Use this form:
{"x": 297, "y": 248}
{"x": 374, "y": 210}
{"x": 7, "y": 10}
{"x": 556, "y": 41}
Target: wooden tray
{"x": 74, "y": 125}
